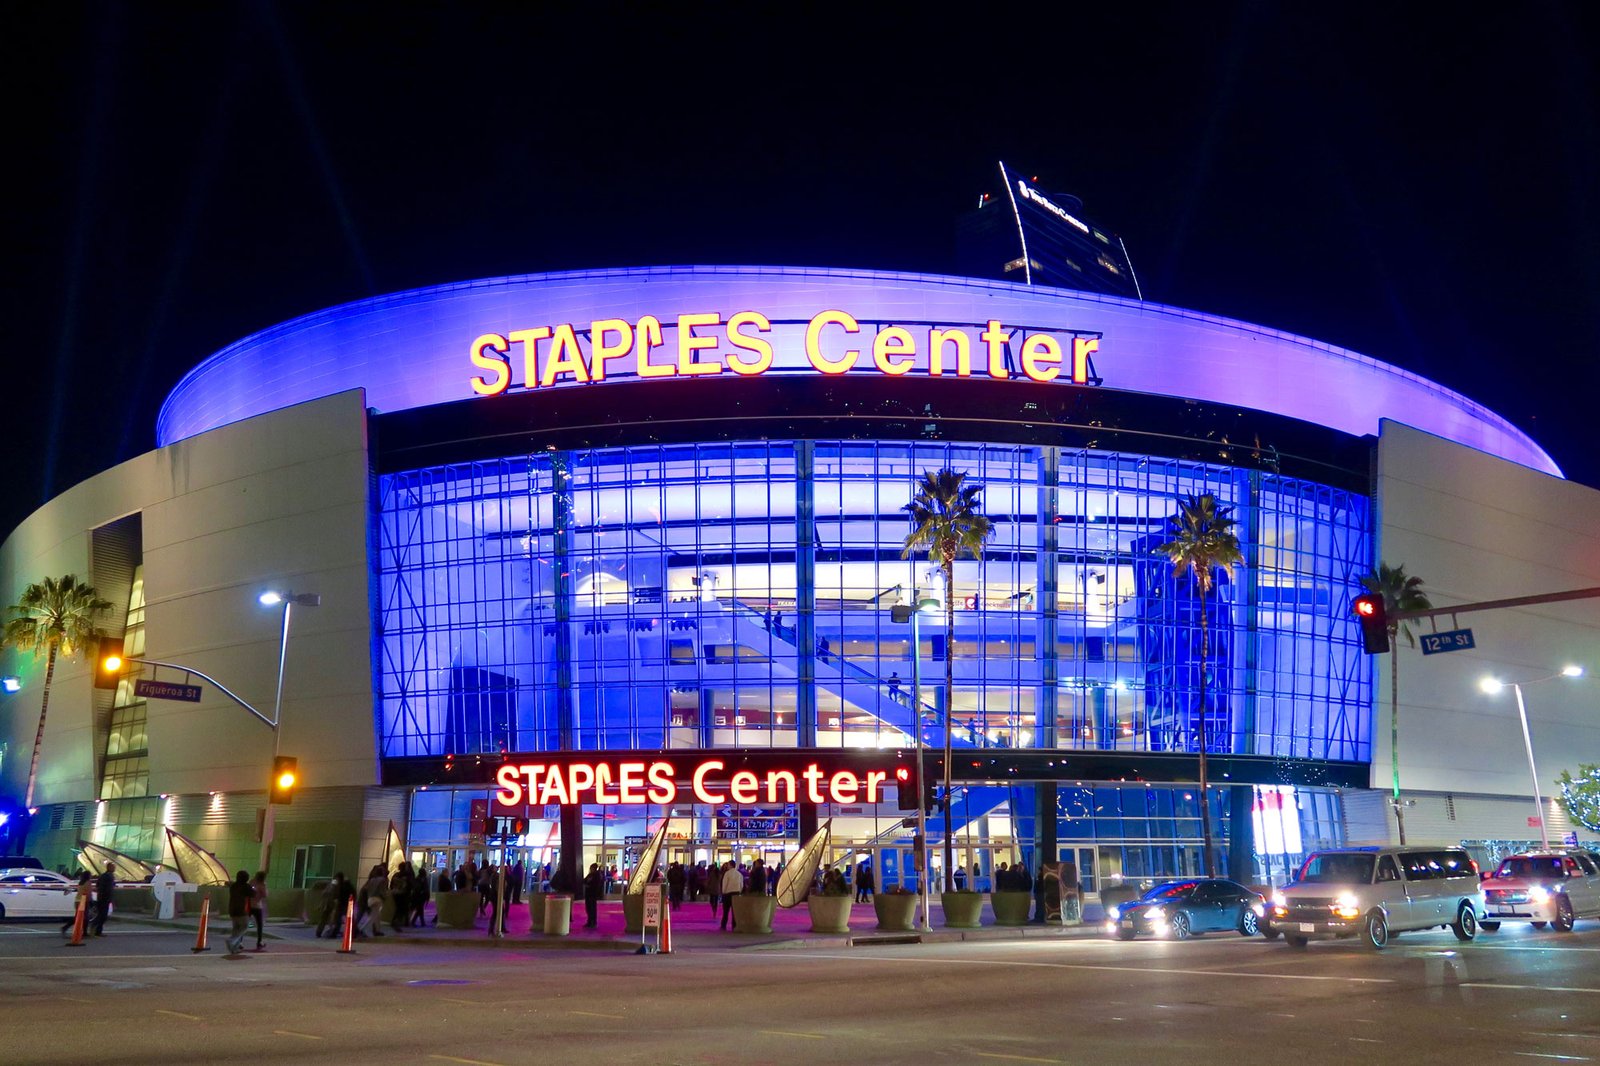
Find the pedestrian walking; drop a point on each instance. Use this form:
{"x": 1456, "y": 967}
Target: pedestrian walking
{"x": 714, "y": 887}
{"x": 514, "y": 881}
{"x": 334, "y": 893}
{"x": 240, "y": 893}
{"x": 864, "y": 885}
{"x": 258, "y": 907}
{"x": 84, "y": 895}
{"x": 732, "y": 884}
{"x": 105, "y": 890}
{"x": 675, "y": 883}
{"x": 593, "y": 885}
{"x": 419, "y": 898}
{"x": 373, "y": 893}
{"x": 400, "y": 892}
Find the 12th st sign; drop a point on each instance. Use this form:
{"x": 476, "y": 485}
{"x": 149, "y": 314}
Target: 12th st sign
{"x": 166, "y": 690}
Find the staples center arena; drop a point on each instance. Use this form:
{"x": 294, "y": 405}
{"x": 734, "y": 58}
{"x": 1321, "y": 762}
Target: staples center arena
{"x": 621, "y": 545}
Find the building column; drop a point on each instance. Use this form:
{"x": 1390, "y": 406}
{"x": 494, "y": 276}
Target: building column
{"x": 805, "y": 592}
{"x": 570, "y": 863}
{"x": 1241, "y": 834}
{"x": 1047, "y": 707}
{"x": 561, "y": 579}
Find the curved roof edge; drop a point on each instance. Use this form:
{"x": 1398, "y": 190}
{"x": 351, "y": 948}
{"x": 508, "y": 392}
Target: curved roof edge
{"x": 1467, "y": 406}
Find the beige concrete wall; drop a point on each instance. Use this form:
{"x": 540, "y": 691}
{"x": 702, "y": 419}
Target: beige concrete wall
{"x": 276, "y": 501}
{"x": 1478, "y": 528}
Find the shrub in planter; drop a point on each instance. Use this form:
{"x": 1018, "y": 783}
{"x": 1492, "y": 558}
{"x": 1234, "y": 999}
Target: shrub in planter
{"x": 896, "y": 909}
{"x": 962, "y": 910}
{"x": 1011, "y": 908}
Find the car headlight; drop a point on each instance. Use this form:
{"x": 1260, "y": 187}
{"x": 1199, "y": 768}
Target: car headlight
{"x": 1278, "y": 899}
{"x": 1259, "y": 908}
{"x": 1539, "y": 894}
{"x": 1346, "y": 906}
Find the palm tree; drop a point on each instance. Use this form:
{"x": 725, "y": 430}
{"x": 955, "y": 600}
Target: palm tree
{"x": 1202, "y": 542}
{"x": 945, "y": 523}
{"x": 1400, "y": 593}
{"x": 54, "y": 617}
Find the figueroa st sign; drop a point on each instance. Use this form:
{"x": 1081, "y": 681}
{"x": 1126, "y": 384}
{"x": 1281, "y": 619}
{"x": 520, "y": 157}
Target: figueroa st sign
{"x": 745, "y": 343}
{"x": 658, "y": 781}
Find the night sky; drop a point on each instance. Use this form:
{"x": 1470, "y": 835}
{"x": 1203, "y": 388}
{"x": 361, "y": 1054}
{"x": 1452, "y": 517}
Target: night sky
{"x": 1389, "y": 178}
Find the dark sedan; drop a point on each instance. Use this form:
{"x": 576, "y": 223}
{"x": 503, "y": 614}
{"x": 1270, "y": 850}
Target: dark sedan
{"x": 1181, "y": 909}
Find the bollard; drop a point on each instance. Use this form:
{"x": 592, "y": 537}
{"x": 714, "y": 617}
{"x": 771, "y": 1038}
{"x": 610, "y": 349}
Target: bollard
{"x": 79, "y": 919}
{"x": 347, "y": 946}
{"x": 205, "y": 924}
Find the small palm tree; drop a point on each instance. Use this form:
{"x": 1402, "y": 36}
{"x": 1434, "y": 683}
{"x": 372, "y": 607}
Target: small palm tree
{"x": 54, "y": 617}
{"x": 1400, "y": 593}
{"x": 945, "y": 523}
{"x": 1203, "y": 541}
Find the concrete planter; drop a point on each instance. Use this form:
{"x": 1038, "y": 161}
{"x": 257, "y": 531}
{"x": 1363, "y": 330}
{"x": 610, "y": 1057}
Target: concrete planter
{"x": 754, "y": 912}
{"x": 458, "y": 910}
{"x": 286, "y": 903}
{"x": 1010, "y": 908}
{"x": 829, "y": 914}
{"x": 962, "y": 910}
{"x": 633, "y": 914}
{"x": 557, "y": 915}
{"x": 896, "y": 911}
{"x": 535, "y": 902}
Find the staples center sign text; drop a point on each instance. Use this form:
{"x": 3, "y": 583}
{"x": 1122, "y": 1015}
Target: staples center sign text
{"x": 744, "y": 344}
{"x": 657, "y": 781}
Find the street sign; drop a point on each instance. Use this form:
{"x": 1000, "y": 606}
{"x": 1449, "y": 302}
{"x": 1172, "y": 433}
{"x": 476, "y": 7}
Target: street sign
{"x": 1449, "y": 640}
{"x": 652, "y": 906}
{"x": 166, "y": 690}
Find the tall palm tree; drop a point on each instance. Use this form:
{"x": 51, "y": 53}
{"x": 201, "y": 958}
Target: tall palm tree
{"x": 54, "y": 617}
{"x": 1203, "y": 541}
{"x": 1400, "y": 593}
{"x": 945, "y": 523}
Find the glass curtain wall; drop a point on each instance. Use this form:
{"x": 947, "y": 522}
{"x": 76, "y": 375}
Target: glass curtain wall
{"x": 740, "y": 595}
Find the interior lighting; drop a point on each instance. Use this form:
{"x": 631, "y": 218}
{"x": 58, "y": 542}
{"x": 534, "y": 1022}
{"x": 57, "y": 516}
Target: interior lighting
{"x": 10, "y": 684}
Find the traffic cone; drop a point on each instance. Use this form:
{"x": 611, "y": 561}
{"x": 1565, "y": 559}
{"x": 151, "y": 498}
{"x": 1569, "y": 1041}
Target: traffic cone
{"x": 346, "y": 947}
{"x": 205, "y": 924}
{"x": 79, "y": 920}
{"x": 666, "y": 931}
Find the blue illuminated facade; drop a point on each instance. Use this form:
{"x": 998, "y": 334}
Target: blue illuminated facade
{"x": 710, "y": 564}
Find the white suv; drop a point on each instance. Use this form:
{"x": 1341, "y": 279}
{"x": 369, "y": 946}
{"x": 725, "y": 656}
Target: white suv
{"x": 1372, "y": 892}
{"x": 1553, "y": 887}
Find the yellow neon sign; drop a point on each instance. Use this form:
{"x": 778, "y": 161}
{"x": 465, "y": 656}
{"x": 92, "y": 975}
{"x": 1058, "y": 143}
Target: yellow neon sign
{"x": 709, "y": 344}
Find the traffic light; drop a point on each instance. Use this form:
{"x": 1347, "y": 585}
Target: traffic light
{"x": 519, "y": 827}
{"x": 108, "y": 663}
{"x": 285, "y": 778}
{"x": 1374, "y": 618}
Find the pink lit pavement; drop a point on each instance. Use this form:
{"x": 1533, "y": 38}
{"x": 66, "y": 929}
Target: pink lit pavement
{"x": 694, "y": 928}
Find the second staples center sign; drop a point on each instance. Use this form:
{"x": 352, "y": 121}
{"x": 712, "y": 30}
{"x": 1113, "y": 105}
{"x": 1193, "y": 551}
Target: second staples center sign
{"x": 660, "y": 778}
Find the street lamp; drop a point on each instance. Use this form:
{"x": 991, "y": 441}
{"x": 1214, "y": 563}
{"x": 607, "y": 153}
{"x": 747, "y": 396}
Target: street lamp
{"x": 1493, "y": 686}
{"x": 289, "y": 600}
{"x": 912, "y": 612}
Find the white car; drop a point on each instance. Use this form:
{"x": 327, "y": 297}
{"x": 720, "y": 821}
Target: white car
{"x": 1544, "y": 887}
{"x": 36, "y": 894}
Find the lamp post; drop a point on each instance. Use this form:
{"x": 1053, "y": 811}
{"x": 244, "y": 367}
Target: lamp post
{"x": 1492, "y": 686}
{"x": 289, "y": 600}
{"x": 912, "y": 613}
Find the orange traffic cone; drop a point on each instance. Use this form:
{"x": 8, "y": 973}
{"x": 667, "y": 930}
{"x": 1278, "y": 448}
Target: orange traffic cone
{"x": 205, "y": 924}
{"x": 79, "y": 920}
{"x": 346, "y": 947}
{"x": 666, "y": 932}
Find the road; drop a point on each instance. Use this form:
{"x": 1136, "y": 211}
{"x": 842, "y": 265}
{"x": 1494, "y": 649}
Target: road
{"x": 139, "y": 996}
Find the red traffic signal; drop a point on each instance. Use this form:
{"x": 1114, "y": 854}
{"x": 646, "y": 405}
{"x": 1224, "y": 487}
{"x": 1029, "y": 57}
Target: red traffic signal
{"x": 1374, "y": 618}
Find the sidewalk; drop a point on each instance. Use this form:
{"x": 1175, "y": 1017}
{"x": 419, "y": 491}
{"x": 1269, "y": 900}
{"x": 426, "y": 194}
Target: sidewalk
{"x": 694, "y": 928}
